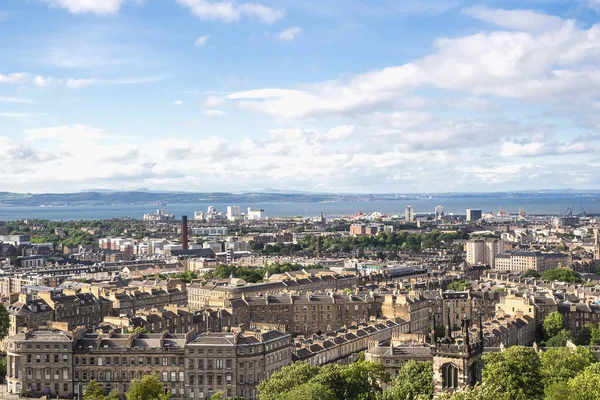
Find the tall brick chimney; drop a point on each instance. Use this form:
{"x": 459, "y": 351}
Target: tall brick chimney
{"x": 184, "y": 233}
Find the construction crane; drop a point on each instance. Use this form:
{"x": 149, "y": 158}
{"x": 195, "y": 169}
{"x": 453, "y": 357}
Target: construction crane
{"x": 580, "y": 206}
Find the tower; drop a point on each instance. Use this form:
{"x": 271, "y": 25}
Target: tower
{"x": 456, "y": 360}
{"x": 596, "y": 244}
{"x": 409, "y": 214}
{"x": 184, "y": 233}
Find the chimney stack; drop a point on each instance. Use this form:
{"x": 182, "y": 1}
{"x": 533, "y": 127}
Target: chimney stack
{"x": 184, "y": 233}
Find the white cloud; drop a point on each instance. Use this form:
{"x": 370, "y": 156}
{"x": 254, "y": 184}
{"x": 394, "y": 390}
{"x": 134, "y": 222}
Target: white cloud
{"x": 213, "y": 113}
{"x": 537, "y": 149}
{"x": 525, "y": 20}
{"x": 201, "y": 41}
{"x": 78, "y": 83}
{"x": 340, "y": 132}
{"x": 289, "y": 34}
{"x": 231, "y": 11}
{"x": 16, "y": 77}
{"x": 100, "y": 7}
{"x": 213, "y": 101}
{"x": 41, "y": 81}
{"x": 561, "y": 62}
{"x": 178, "y": 103}
{"x": 15, "y": 100}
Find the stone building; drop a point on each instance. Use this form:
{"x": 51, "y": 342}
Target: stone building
{"x": 306, "y": 313}
{"x": 40, "y": 362}
{"x": 399, "y": 349}
{"x": 216, "y": 293}
{"x": 343, "y": 345}
{"x": 233, "y": 362}
{"x": 411, "y": 307}
{"x": 61, "y": 363}
{"x": 77, "y": 309}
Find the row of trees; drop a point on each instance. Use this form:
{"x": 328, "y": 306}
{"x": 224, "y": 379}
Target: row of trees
{"x": 556, "y": 332}
{"x": 254, "y": 275}
{"x": 148, "y": 388}
{"x": 384, "y": 242}
{"x": 556, "y": 274}
{"x": 518, "y": 373}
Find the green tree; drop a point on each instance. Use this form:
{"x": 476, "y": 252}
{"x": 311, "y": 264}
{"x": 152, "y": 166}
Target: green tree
{"x": 93, "y": 391}
{"x": 148, "y": 388}
{"x": 414, "y": 379}
{"x": 531, "y": 273}
{"x": 553, "y": 323}
{"x": 4, "y": 322}
{"x": 586, "y": 385}
{"x": 585, "y": 334}
{"x": 2, "y": 369}
{"x": 286, "y": 379}
{"x": 560, "y": 339}
{"x": 595, "y": 336}
{"x": 309, "y": 391}
{"x": 515, "y": 372}
{"x": 140, "y": 329}
{"x": 563, "y": 275}
{"x": 459, "y": 286}
{"x": 564, "y": 363}
{"x": 479, "y": 392}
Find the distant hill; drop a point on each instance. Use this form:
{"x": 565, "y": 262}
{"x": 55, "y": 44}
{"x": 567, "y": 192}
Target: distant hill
{"x": 108, "y": 197}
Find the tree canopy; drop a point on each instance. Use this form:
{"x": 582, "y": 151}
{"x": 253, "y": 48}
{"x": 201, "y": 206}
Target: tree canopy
{"x": 414, "y": 380}
{"x": 148, "y": 388}
{"x": 360, "y": 380}
{"x": 553, "y": 324}
{"x": 515, "y": 372}
{"x": 94, "y": 391}
{"x": 563, "y": 275}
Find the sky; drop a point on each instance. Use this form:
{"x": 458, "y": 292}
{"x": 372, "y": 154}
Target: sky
{"x": 362, "y": 96}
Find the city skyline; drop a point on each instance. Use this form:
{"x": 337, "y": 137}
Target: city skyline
{"x": 371, "y": 97}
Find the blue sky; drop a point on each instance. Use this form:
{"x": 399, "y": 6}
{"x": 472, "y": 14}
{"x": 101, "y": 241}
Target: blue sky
{"x": 338, "y": 95}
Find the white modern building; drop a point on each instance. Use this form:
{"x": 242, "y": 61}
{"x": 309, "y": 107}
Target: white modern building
{"x": 255, "y": 214}
{"x": 439, "y": 213}
{"x": 233, "y": 213}
{"x": 409, "y": 214}
{"x": 483, "y": 251}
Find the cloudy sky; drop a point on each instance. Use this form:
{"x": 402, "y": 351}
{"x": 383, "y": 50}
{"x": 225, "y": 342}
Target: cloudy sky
{"x": 338, "y": 95}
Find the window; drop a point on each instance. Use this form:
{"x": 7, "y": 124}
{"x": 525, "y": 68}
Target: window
{"x": 65, "y": 358}
{"x": 164, "y": 376}
{"x": 65, "y": 374}
{"x": 56, "y": 358}
{"x": 449, "y": 376}
{"x": 228, "y": 364}
{"x": 173, "y": 376}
